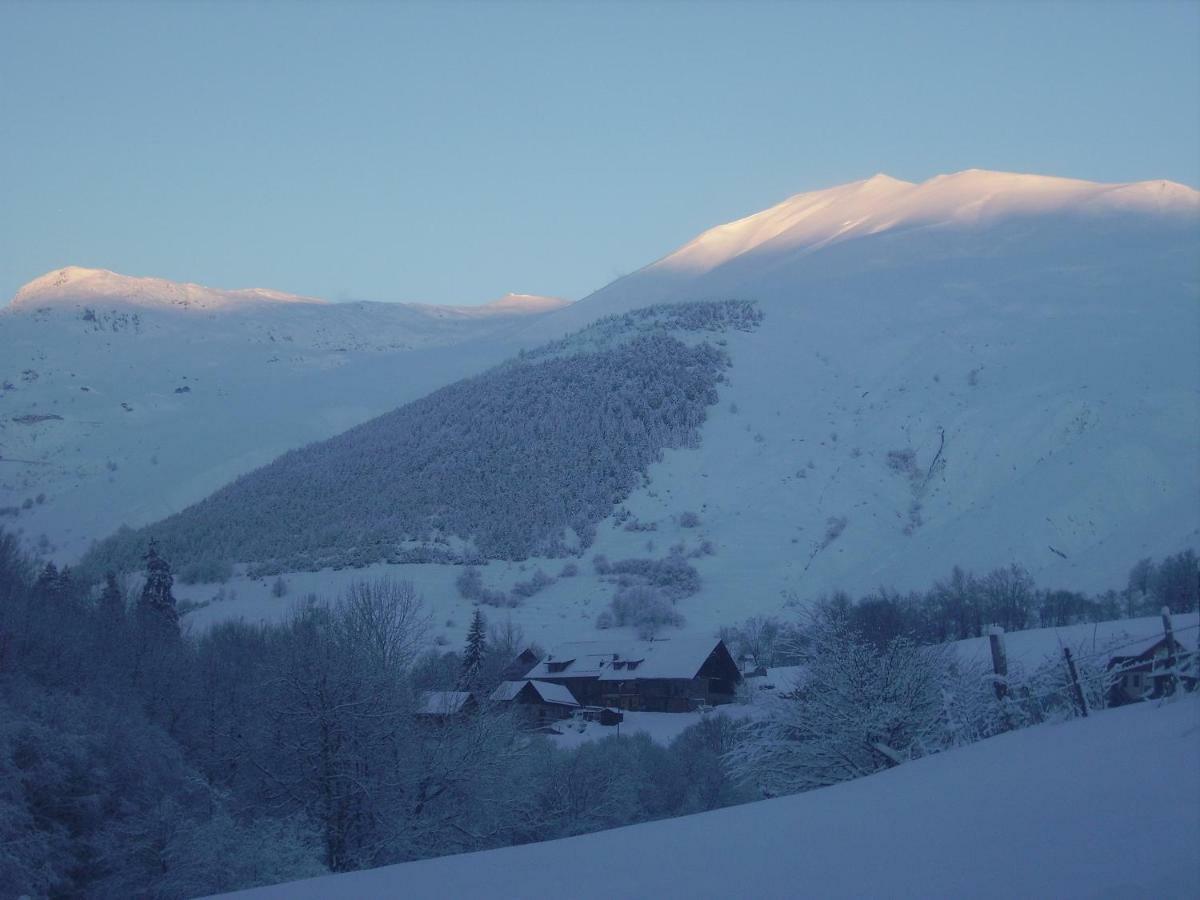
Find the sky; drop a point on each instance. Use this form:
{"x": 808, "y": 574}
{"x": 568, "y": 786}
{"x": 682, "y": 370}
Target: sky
{"x": 449, "y": 153}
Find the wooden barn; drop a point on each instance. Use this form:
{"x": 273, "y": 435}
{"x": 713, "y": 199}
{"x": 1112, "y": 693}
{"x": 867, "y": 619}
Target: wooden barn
{"x": 668, "y": 675}
{"x": 540, "y": 701}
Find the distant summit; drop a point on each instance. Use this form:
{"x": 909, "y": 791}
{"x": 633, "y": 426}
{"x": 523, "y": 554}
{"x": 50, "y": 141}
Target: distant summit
{"x": 527, "y": 303}
{"x": 78, "y": 286}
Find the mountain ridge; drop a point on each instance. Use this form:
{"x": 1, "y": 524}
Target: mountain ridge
{"x": 81, "y": 286}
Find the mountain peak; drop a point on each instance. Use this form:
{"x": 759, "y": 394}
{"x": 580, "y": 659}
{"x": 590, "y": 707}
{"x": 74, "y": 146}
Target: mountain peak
{"x": 809, "y": 221}
{"x": 527, "y": 303}
{"x": 77, "y": 285}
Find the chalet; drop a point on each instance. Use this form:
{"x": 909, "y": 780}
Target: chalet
{"x": 442, "y": 706}
{"x": 540, "y": 701}
{"x": 668, "y": 675}
{"x": 1145, "y": 671}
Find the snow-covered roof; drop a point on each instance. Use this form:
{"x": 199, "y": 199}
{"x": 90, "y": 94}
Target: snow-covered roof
{"x": 1142, "y": 646}
{"x": 550, "y": 693}
{"x": 442, "y": 703}
{"x": 626, "y": 660}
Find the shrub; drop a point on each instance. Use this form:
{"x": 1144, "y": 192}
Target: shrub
{"x": 526, "y": 589}
{"x": 672, "y": 575}
{"x": 469, "y": 583}
{"x": 646, "y": 609}
{"x": 689, "y": 519}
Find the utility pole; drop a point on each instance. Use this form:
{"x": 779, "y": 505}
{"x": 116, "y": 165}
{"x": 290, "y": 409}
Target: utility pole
{"x": 1170, "y": 640}
{"x": 1080, "y": 699}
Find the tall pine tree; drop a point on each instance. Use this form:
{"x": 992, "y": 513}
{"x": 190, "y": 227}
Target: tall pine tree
{"x": 472, "y": 661}
{"x": 157, "y": 603}
{"x": 111, "y": 604}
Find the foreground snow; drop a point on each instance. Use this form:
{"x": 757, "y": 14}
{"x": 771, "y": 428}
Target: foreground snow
{"x": 1102, "y": 807}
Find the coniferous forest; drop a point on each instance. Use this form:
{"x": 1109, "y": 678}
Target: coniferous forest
{"x": 522, "y": 460}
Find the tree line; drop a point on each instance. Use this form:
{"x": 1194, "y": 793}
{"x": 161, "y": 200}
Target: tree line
{"x": 963, "y": 605}
{"x": 137, "y": 759}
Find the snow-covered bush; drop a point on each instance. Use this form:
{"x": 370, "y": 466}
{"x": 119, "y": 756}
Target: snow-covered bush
{"x": 644, "y": 608}
{"x": 526, "y": 589}
{"x": 469, "y": 583}
{"x": 671, "y": 575}
{"x": 858, "y": 710}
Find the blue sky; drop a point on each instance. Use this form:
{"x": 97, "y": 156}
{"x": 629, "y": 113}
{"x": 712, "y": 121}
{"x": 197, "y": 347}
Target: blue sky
{"x": 449, "y": 153}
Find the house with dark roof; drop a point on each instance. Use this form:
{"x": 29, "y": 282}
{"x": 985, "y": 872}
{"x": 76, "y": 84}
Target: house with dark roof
{"x": 541, "y": 702}
{"x": 667, "y": 675}
{"x": 520, "y": 666}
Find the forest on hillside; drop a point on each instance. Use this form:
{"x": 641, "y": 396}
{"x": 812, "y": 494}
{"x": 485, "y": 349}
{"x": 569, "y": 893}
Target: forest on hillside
{"x": 521, "y": 460}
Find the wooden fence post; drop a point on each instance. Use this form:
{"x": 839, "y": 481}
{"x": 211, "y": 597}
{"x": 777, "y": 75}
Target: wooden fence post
{"x": 999, "y": 661}
{"x": 1080, "y": 699}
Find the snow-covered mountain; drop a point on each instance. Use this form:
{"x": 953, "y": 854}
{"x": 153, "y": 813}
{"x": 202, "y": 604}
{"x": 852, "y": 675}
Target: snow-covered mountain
{"x": 891, "y": 223}
{"x": 75, "y": 286}
{"x": 123, "y": 399}
{"x": 980, "y": 369}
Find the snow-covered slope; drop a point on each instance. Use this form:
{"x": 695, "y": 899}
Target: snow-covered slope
{"x": 1097, "y": 807}
{"x": 981, "y": 369}
{"x": 124, "y": 399}
{"x": 758, "y": 254}
{"x": 978, "y": 370}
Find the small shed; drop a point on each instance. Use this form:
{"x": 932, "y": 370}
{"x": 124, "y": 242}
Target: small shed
{"x": 441, "y": 706}
{"x": 602, "y": 714}
{"x": 1146, "y": 671}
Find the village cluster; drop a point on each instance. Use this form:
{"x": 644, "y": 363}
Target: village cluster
{"x": 598, "y": 681}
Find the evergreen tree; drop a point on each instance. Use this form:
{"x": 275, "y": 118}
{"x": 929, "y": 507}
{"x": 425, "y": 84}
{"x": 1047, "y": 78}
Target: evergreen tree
{"x": 476, "y": 648}
{"x": 157, "y": 603}
{"x": 112, "y": 602}
{"x": 46, "y": 587}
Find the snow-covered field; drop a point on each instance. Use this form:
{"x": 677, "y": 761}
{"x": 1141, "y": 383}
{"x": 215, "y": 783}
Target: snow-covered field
{"x": 1098, "y": 807}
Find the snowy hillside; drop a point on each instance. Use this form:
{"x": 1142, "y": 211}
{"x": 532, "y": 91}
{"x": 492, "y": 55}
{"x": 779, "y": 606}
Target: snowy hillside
{"x": 124, "y": 399}
{"x": 763, "y": 254}
{"x": 994, "y": 819}
{"x": 977, "y": 370}
{"x": 980, "y": 370}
